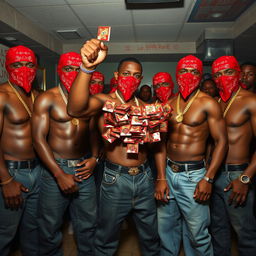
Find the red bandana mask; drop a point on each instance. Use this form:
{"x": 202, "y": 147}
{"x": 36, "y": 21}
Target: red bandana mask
{"x": 163, "y": 93}
{"x": 23, "y": 76}
{"x": 226, "y": 84}
{"x": 96, "y": 87}
{"x": 127, "y": 85}
{"x": 113, "y": 85}
{"x": 68, "y": 59}
{"x": 188, "y": 82}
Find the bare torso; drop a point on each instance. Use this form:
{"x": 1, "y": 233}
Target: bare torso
{"x": 187, "y": 140}
{"x": 65, "y": 139}
{"x": 16, "y": 139}
{"x": 240, "y": 133}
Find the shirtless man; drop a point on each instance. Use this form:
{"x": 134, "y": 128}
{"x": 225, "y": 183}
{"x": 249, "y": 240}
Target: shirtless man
{"x": 233, "y": 197}
{"x": 123, "y": 190}
{"x": 163, "y": 86}
{"x": 196, "y": 116}
{"x": 62, "y": 143}
{"x": 249, "y": 76}
{"x": 209, "y": 87}
{"x": 96, "y": 83}
{"x": 19, "y": 168}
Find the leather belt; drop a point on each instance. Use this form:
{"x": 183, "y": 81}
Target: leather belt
{"x": 127, "y": 170}
{"x": 183, "y": 167}
{"x": 70, "y": 162}
{"x": 233, "y": 167}
{"x": 28, "y": 164}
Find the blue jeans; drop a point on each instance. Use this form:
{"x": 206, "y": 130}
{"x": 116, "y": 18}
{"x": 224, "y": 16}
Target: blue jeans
{"x": 52, "y": 206}
{"x": 24, "y": 219}
{"x": 122, "y": 194}
{"x": 224, "y": 215}
{"x": 183, "y": 217}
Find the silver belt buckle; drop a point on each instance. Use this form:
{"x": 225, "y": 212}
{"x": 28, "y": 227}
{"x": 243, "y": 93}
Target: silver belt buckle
{"x": 73, "y": 163}
{"x": 133, "y": 171}
{"x": 175, "y": 168}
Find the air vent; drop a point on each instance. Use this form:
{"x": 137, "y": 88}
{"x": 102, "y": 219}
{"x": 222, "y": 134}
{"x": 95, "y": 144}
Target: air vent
{"x": 69, "y": 34}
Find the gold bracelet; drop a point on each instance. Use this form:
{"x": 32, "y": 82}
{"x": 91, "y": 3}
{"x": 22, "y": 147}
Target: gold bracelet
{"x": 6, "y": 182}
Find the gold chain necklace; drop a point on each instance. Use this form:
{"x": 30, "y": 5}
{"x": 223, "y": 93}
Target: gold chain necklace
{"x": 123, "y": 102}
{"x": 230, "y": 102}
{"x": 74, "y": 121}
{"x": 21, "y": 100}
{"x": 179, "y": 117}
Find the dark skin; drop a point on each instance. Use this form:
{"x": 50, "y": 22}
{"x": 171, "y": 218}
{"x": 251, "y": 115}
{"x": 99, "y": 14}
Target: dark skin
{"x": 145, "y": 93}
{"x": 249, "y": 77}
{"x": 56, "y": 137}
{"x": 93, "y": 53}
{"x": 209, "y": 87}
{"x": 187, "y": 140}
{"x": 16, "y": 137}
{"x": 241, "y": 127}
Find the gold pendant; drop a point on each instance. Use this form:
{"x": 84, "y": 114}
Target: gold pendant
{"x": 179, "y": 118}
{"x": 75, "y": 121}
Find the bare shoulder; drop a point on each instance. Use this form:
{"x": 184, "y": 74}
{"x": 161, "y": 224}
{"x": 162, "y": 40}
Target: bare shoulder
{"x": 47, "y": 97}
{"x": 207, "y": 100}
{"x": 248, "y": 98}
{"x": 5, "y": 93}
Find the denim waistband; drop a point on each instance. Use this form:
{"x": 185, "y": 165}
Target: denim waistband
{"x": 133, "y": 170}
{"x": 233, "y": 167}
{"x": 177, "y": 166}
{"x": 26, "y": 164}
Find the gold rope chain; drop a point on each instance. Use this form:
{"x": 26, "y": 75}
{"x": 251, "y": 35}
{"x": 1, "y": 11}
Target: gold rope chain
{"x": 74, "y": 121}
{"x": 123, "y": 102}
{"x": 179, "y": 117}
{"x": 230, "y": 102}
{"x": 21, "y": 100}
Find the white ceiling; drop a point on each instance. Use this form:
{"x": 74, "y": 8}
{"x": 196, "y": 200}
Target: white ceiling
{"x": 151, "y": 25}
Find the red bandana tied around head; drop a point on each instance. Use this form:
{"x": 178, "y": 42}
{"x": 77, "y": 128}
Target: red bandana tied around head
{"x": 68, "y": 59}
{"x": 23, "y": 76}
{"x": 226, "y": 84}
{"x": 113, "y": 85}
{"x": 96, "y": 87}
{"x": 188, "y": 82}
{"x": 127, "y": 85}
{"x": 163, "y": 93}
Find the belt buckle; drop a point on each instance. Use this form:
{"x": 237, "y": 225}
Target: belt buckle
{"x": 72, "y": 163}
{"x": 133, "y": 171}
{"x": 175, "y": 168}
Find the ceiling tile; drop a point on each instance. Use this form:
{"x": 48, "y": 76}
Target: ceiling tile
{"x": 51, "y": 16}
{"x": 21, "y": 3}
{"x": 103, "y": 14}
{"x": 157, "y": 33}
{"x": 118, "y": 33}
{"x": 191, "y": 31}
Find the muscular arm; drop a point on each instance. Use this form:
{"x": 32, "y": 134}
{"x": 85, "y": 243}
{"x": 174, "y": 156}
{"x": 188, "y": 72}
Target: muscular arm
{"x": 11, "y": 190}
{"x": 80, "y": 103}
{"x": 40, "y": 130}
{"x": 218, "y": 133}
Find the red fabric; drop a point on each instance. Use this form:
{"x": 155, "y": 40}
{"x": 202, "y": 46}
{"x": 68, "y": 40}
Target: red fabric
{"x": 23, "y": 76}
{"x": 226, "y": 84}
{"x": 96, "y": 87}
{"x": 68, "y": 59}
{"x": 127, "y": 85}
{"x": 113, "y": 85}
{"x": 164, "y": 92}
{"x": 188, "y": 82}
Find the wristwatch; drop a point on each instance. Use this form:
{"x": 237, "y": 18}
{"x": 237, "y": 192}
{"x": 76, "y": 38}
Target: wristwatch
{"x": 245, "y": 179}
{"x": 208, "y": 179}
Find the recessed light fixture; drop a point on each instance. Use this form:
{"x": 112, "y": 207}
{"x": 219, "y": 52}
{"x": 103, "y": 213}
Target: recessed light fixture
{"x": 10, "y": 38}
{"x": 217, "y": 14}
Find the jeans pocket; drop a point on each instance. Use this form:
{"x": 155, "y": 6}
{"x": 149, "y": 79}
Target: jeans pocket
{"x": 109, "y": 178}
{"x": 149, "y": 175}
{"x": 196, "y": 175}
{"x": 47, "y": 175}
{"x": 234, "y": 175}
